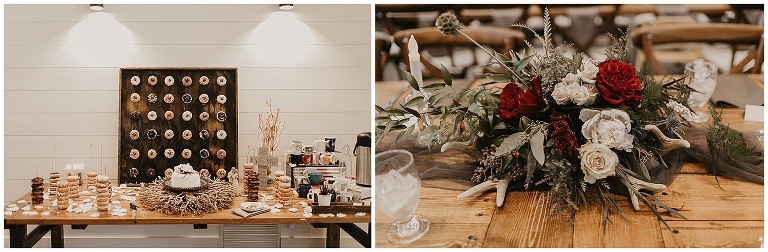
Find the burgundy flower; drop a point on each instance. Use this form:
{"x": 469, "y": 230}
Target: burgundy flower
{"x": 516, "y": 103}
{"x": 564, "y": 138}
{"x": 618, "y": 84}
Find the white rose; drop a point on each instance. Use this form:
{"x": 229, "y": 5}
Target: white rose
{"x": 561, "y": 94}
{"x": 597, "y": 162}
{"x": 581, "y": 95}
{"x": 571, "y": 79}
{"x": 607, "y": 127}
{"x": 588, "y": 71}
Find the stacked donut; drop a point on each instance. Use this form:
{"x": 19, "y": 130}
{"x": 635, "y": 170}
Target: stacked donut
{"x": 37, "y": 190}
{"x": 53, "y": 185}
{"x": 102, "y": 192}
{"x": 74, "y": 187}
{"x": 247, "y": 170}
{"x": 253, "y": 187}
{"x": 63, "y": 189}
{"x": 91, "y": 179}
{"x": 284, "y": 191}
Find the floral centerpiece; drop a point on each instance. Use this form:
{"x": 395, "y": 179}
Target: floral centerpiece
{"x": 577, "y": 126}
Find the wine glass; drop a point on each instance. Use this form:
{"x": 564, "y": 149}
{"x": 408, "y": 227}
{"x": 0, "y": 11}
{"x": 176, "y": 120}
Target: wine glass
{"x": 702, "y": 77}
{"x": 398, "y": 189}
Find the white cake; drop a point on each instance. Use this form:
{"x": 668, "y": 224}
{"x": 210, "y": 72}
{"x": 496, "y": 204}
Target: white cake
{"x": 185, "y": 177}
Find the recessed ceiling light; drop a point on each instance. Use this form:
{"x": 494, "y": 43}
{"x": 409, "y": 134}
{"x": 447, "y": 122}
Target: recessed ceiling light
{"x": 97, "y": 7}
{"x": 285, "y": 6}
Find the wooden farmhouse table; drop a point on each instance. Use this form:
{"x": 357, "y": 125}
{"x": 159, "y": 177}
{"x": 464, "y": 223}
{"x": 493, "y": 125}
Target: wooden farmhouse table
{"x": 20, "y": 237}
{"x": 727, "y": 217}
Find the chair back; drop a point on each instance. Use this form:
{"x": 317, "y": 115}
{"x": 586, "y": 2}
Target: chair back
{"x": 647, "y": 37}
{"x": 502, "y": 40}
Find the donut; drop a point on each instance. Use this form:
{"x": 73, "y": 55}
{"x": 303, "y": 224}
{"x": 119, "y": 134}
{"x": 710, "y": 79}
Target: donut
{"x": 55, "y": 175}
{"x": 169, "y": 153}
{"x": 152, "y": 80}
{"x": 134, "y": 172}
{"x": 221, "y": 134}
{"x": 135, "y": 80}
{"x": 186, "y": 98}
{"x": 134, "y": 154}
{"x": 168, "y": 172}
{"x": 151, "y": 172}
{"x": 221, "y": 116}
{"x": 186, "y": 153}
{"x": 221, "y": 81}
{"x": 135, "y": 115}
{"x": 134, "y": 134}
{"x": 203, "y": 98}
{"x": 168, "y": 98}
{"x": 135, "y": 97}
{"x": 204, "y": 173}
{"x": 204, "y": 134}
{"x": 152, "y": 115}
{"x": 186, "y": 116}
{"x": 204, "y": 80}
{"x": 221, "y": 99}
{"x": 187, "y": 134}
{"x": 169, "y": 81}
{"x": 168, "y": 134}
{"x": 221, "y": 154}
{"x": 221, "y": 173}
{"x": 152, "y": 98}
{"x": 151, "y": 153}
{"x": 204, "y": 116}
{"x": 186, "y": 81}
{"x": 204, "y": 153}
{"x": 151, "y": 133}
{"x": 168, "y": 115}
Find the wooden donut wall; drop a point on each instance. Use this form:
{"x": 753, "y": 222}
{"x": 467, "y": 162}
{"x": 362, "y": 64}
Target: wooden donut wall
{"x": 177, "y": 124}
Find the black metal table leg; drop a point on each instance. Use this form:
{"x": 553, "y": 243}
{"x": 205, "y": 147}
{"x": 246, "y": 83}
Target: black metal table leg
{"x": 57, "y": 236}
{"x": 357, "y": 233}
{"x": 18, "y": 235}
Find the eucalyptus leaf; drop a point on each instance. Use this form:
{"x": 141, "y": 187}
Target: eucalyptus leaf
{"x": 382, "y": 119}
{"x": 402, "y": 133}
{"x": 474, "y": 108}
{"x": 499, "y": 78}
{"x": 412, "y": 111}
{"x": 512, "y": 143}
{"x": 415, "y": 101}
{"x": 434, "y": 86}
{"x": 530, "y": 167}
{"x": 501, "y": 126}
{"x": 446, "y": 75}
{"x": 537, "y": 146}
{"x": 502, "y": 57}
{"x": 523, "y": 62}
{"x": 427, "y": 130}
{"x": 379, "y": 108}
{"x": 412, "y": 81}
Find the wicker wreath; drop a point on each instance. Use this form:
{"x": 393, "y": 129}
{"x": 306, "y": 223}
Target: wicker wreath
{"x": 218, "y": 196}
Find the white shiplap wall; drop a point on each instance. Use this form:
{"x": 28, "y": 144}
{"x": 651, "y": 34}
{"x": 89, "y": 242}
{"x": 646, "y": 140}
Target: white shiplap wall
{"x": 62, "y": 68}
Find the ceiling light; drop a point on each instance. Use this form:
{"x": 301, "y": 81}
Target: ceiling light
{"x": 285, "y": 6}
{"x": 97, "y": 7}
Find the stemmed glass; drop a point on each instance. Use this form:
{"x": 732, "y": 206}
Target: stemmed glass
{"x": 702, "y": 77}
{"x": 398, "y": 189}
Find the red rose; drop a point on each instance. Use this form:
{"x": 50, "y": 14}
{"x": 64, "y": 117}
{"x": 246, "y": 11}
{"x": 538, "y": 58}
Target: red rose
{"x": 516, "y": 103}
{"x": 618, "y": 84}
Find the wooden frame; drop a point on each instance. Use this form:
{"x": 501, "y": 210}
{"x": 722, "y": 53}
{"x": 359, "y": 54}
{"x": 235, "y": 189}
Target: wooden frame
{"x": 160, "y": 163}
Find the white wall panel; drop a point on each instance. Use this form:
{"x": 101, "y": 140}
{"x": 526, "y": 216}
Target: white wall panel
{"x": 61, "y": 87}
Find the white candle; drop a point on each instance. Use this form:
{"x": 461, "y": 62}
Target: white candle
{"x": 414, "y": 58}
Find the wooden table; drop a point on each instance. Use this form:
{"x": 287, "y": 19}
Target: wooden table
{"x": 17, "y": 222}
{"x": 731, "y": 217}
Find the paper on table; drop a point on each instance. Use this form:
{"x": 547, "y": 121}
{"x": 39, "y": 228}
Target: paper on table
{"x": 754, "y": 113}
{"x": 736, "y": 90}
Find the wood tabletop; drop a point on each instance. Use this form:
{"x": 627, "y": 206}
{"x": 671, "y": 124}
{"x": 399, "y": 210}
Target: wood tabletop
{"x": 225, "y": 216}
{"x": 727, "y": 217}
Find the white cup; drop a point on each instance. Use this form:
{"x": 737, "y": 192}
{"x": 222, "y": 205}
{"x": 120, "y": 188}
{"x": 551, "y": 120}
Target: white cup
{"x": 345, "y": 197}
{"x": 324, "y": 200}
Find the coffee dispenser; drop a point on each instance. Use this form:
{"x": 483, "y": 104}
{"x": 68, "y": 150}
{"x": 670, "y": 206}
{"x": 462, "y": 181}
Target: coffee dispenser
{"x": 362, "y": 153}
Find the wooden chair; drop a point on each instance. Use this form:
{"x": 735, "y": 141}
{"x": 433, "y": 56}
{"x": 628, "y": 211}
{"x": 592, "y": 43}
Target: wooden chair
{"x": 501, "y": 40}
{"x": 462, "y": 10}
{"x": 647, "y": 36}
{"x": 384, "y": 11}
{"x": 382, "y": 44}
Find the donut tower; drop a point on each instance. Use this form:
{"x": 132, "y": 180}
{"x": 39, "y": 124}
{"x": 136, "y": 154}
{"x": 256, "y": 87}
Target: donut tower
{"x": 74, "y": 186}
{"x": 63, "y": 189}
{"x": 53, "y": 185}
{"x": 278, "y": 174}
{"x": 37, "y": 190}
{"x": 247, "y": 171}
{"x": 102, "y": 192}
{"x": 91, "y": 179}
{"x": 253, "y": 187}
{"x": 284, "y": 191}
